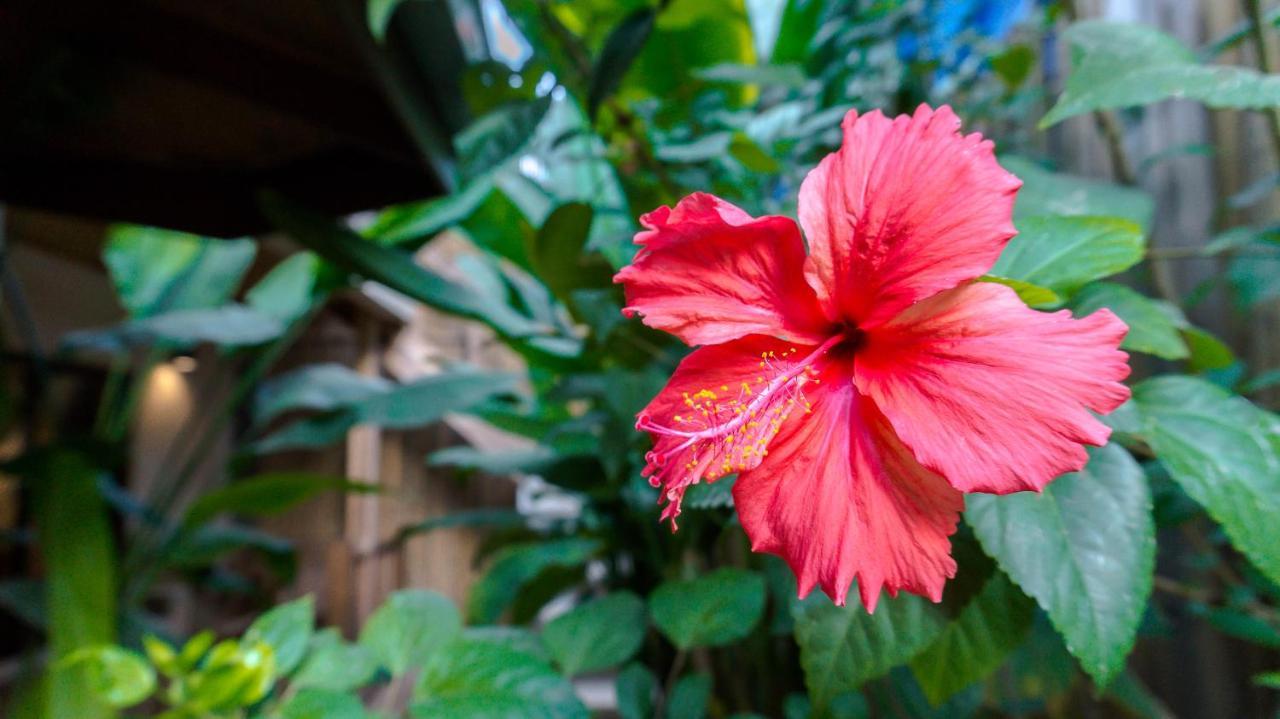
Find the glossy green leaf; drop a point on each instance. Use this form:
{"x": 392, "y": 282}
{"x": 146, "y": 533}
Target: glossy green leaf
{"x": 1065, "y": 253}
{"x": 717, "y": 608}
{"x": 1084, "y": 549}
{"x": 515, "y": 566}
{"x": 416, "y": 223}
{"x": 267, "y": 494}
{"x": 319, "y": 703}
{"x": 635, "y": 688}
{"x": 78, "y": 552}
{"x": 620, "y": 50}
{"x": 410, "y": 629}
{"x": 119, "y": 677}
{"x": 498, "y": 136}
{"x": 600, "y": 634}
{"x": 353, "y": 253}
{"x": 519, "y": 639}
{"x": 843, "y": 647}
{"x": 558, "y": 254}
{"x": 976, "y": 642}
{"x": 157, "y": 271}
{"x": 323, "y": 386}
{"x": 1120, "y": 65}
{"x": 1153, "y": 324}
{"x": 230, "y": 325}
{"x": 233, "y": 675}
{"x": 1206, "y": 351}
{"x": 287, "y": 629}
{"x": 486, "y": 680}
{"x": 690, "y": 697}
{"x": 1225, "y": 453}
{"x": 332, "y": 663}
{"x": 1054, "y": 193}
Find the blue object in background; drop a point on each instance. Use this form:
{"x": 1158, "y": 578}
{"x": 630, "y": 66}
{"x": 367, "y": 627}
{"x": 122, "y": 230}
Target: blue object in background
{"x": 946, "y": 25}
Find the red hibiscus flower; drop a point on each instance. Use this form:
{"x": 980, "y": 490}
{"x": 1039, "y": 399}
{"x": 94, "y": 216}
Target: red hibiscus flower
{"x": 859, "y": 389}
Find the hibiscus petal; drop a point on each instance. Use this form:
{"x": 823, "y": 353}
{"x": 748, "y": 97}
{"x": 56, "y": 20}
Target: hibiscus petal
{"x": 720, "y": 410}
{"x": 840, "y": 498}
{"x": 906, "y": 208}
{"x": 993, "y": 395}
{"x": 708, "y": 272}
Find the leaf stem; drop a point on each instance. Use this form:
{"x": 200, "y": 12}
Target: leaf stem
{"x": 677, "y": 666}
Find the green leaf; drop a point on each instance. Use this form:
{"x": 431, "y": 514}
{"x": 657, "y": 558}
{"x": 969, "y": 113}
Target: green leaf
{"x": 600, "y": 634}
{"x": 267, "y": 494}
{"x": 976, "y": 643}
{"x": 1153, "y": 324}
{"x": 635, "y": 689}
{"x": 557, "y": 253}
{"x": 290, "y": 289}
{"x": 519, "y": 639}
{"x": 410, "y": 629}
{"x": 718, "y": 608}
{"x": 515, "y": 566}
{"x": 119, "y": 677}
{"x": 486, "y": 680}
{"x": 499, "y": 135}
{"x": 418, "y": 222}
{"x": 287, "y": 629}
{"x": 392, "y": 268}
{"x": 1084, "y": 549}
{"x": 321, "y": 387}
{"x": 531, "y": 460}
{"x": 1032, "y": 295}
{"x": 711, "y": 495}
{"x": 751, "y": 155}
{"x": 1065, "y": 253}
{"x": 1120, "y": 65}
{"x": 690, "y": 697}
{"x": 378, "y": 15}
{"x": 1053, "y": 193}
{"x": 158, "y": 271}
{"x": 466, "y": 518}
{"x": 706, "y": 148}
{"x": 317, "y": 703}
{"x": 843, "y": 647}
{"x": 620, "y": 50}
{"x": 405, "y": 406}
{"x": 231, "y": 325}
{"x": 80, "y": 572}
{"x": 331, "y": 663}
{"x": 1269, "y": 680}
{"x": 1225, "y": 453}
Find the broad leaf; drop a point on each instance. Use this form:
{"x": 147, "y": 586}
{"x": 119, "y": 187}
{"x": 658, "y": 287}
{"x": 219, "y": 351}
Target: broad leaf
{"x": 230, "y": 325}
{"x": 1032, "y": 295}
{"x": 717, "y": 608}
{"x": 267, "y": 494}
{"x": 321, "y": 387}
{"x": 1065, "y": 253}
{"x": 1054, "y": 193}
{"x": 498, "y": 136}
{"x": 1153, "y": 324}
{"x": 515, "y": 566}
{"x": 486, "y": 680}
{"x": 322, "y": 703}
{"x": 843, "y": 647}
{"x": 1225, "y": 453}
{"x": 410, "y": 629}
{"x": 121, "y": 678}
{"x": 976, "y": 643}
{"x": 600, "y": 634}
{"x": 558, "y": 253}
{"x": 690, "y": 697}
{"x": 291, "y": 288}
{"x": 287, "y": 629}
{"x": 635, "y": 687}
{"x": 331, "y": 663}
{"x": 1084, "y": 549}
{"x": 1119, "y": 65}
{"x": 158, "y": 271}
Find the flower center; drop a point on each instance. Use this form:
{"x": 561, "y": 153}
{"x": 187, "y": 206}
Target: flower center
{"x": 728, "y": 429}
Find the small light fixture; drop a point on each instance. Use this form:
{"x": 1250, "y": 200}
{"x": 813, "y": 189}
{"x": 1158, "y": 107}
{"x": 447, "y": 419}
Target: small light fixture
{"x": 185, "y": 364}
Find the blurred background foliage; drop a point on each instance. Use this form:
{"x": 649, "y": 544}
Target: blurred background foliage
{"x": 553, "y": 124}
